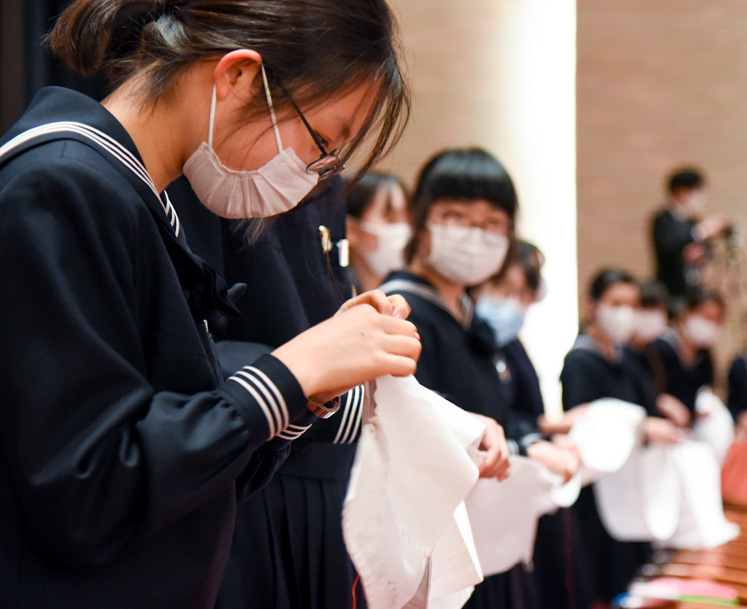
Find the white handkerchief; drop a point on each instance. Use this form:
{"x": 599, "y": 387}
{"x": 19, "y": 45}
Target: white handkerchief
{"x": 670, "y": 494}
{"x": 702, "y": 524}
{"x": 504, "y": 514}
{"x": 640, "y": 501}
{"x": 714, "y": 425}
{"x": 401, "y": 521}
{"x": 606, "y": 436}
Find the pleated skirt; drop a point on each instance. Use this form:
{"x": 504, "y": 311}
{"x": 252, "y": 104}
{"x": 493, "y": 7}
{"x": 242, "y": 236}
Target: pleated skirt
{"x": 514, "y": 589}
{"x": 288, "y": 551}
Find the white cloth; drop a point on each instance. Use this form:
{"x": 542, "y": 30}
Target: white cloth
{"x": 714, "y": 425}
{"x": 403, "y": 521}
{"x": 606, "y": 436}
{"x": 669, "y": 494}
{"x": 504, "y": 514}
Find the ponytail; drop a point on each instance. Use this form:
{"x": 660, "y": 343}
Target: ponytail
{"x": 95, "y": 36}
{"x": 313, "y": 47}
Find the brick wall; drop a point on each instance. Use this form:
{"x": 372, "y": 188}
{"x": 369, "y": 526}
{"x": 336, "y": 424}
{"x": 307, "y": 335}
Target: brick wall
{"x": 658, "y": 84}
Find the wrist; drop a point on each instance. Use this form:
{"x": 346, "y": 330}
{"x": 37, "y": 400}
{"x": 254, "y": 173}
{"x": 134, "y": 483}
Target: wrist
{"x": 325, "y": 410}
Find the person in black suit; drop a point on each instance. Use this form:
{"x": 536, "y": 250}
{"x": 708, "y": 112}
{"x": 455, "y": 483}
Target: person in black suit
{"x": 680, "y": 236}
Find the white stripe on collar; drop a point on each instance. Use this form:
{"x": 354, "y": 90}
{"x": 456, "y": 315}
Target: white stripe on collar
{"x": 431, "y": 295}
{"x": 106, "y": 142}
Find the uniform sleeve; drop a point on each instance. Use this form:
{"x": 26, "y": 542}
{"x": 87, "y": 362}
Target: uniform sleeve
{"x": 98, "y": 455}
{"x": 737, "y": 381}
{"x": 578, "y": 380}
{"x": 342, "y": 428}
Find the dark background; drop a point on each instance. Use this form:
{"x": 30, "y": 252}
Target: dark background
{"x": 25, "y": 65}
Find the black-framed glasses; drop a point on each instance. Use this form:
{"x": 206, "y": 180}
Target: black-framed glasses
{"x": 328, "y": 164}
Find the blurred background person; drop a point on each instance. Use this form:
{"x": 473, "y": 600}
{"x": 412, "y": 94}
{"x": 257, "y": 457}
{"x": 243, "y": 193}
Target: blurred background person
{"x": 463, "y": 212}
{"x": 737, "y": 393}
{"x": 292, "y": 266}
{"x": 503, "y": 302}
{"x": 378, "y": 228}
{"x": 680, "y": 234}
{"x": 681, "y": 359}
{"x": 599, "y": 367}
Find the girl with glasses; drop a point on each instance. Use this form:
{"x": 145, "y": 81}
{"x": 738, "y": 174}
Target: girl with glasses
{"x": 124, "y": 449}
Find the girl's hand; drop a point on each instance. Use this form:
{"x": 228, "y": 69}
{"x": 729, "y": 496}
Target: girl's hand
{"x": 673, "y": 409}
{"x": 358, "y": 344}
{"x": 662, "y": 431}
{"x": 560, "y": 461}
{"x": 496, "y": 463}
{"x": 395, "y": 305}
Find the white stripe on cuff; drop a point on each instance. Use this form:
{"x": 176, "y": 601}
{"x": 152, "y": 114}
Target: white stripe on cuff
{"x": 276, "y": 413}
{"x": 293, "y": 432}
{"x": 283, "y": 407}
{"x": 350, "y": 423}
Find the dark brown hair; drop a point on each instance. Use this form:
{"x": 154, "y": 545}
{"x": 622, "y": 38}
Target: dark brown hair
{"x": 316, "y": 48}
{"x": 464, "y": 174}
{"x": 359, "y": 194}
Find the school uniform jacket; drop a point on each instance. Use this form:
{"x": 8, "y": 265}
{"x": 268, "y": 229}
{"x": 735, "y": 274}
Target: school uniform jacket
{"x": 294, "y": 524}
{"x": 588, "y": 375}
{"x": 672, "y": 376}
{"x": 122, "y": 449}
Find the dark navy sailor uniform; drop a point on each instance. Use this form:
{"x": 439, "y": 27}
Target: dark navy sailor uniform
{"x": 457, "y": 362}
{"x": 587, "y": 376}
{"x": 123, "y": 451}
{"x": 558, "y": 586}
{"x": 737, "y": 400}
{"x": 287, "y": 550}
{"x": 672, "y": 376}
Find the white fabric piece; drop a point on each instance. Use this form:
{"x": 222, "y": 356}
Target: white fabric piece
{"x": 565, "y": 495}
{"x": 666, "y": 494}
{"x": 641, "y": 501}
{"x": 702, "y": 524}
{"x": 606, "y": 436}
{"x": 504, "y": 514}
{"x": 714, "y": 425}
{"x": 670, "y": 494}
{"x": 402, "y": 523}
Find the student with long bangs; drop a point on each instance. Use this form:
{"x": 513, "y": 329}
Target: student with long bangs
{"x": 378, "y": 228}
{"x": 124, "y": 451}
{"x": 463, "y": 214}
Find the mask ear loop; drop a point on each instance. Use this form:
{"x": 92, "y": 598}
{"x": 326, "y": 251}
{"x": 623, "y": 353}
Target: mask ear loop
{"x": 272, "y": 109}
{"x": 212, "y": 119}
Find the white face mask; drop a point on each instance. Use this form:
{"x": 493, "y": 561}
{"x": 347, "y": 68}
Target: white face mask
{"x": 466, "y": 255}
{"x": 650, "y": 325}
{"x": 274, "y": 188}
{"x": 504, "y": 315}
{"x": 389, "y": 253}
{"x": 617, "y": 322}
{"x": 695, "y": 203}
{"x": 702, "y": 332}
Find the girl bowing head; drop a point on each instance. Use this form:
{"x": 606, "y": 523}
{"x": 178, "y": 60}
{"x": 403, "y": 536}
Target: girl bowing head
{"x": 124, "y": 451}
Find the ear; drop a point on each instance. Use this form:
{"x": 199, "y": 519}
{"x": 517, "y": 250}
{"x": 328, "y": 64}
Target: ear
{"x": 236, "y": 72}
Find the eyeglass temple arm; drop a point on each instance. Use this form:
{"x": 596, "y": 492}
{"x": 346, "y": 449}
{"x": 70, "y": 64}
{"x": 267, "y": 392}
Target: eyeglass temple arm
{"x": 314, "y": 136}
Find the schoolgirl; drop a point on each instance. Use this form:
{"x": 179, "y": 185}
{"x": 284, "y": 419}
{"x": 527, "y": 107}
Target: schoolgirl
{"x": 378, "y": 228}
{"x": 124, "y": 451}
{"x": 598, "y": 367}
{"x": 463, "y": 212}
